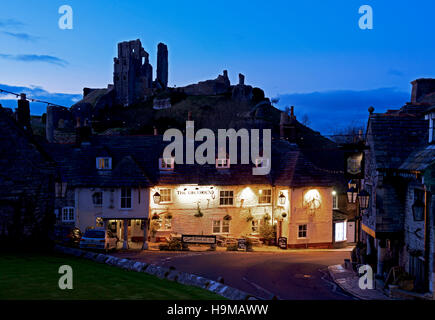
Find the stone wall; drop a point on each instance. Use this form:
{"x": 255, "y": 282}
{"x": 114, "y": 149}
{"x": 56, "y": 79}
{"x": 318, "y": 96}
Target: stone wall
{"x": 26, "y": 188}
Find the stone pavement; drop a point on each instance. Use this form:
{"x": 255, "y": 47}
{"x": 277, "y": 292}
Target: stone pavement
{"x": 348, "y": 281}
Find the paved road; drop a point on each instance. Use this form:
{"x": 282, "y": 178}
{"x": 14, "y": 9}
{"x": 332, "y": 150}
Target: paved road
{"x": 298, "y": 275}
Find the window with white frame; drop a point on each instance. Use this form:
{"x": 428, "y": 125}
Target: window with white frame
{"x": 221, "y": 226}
{"x": 164, "y": 223}
{"x": 223, "y": 163}
{"x": 265, "y": 196}
{"x": 125, "y": 198}
{"x": 255, "y": 226}
{"x": 334, "y": 200}
{"x": 97, "y": 199}
{"x": 68, "y": 214}
{"x": 166, "y": 164}
{"x": 340, "y": 231}
{"x": 104, "y": 163}
{"x": 165, "y": 195}
{"x": 302, "y": 231}
{"x": 226, "y": 198}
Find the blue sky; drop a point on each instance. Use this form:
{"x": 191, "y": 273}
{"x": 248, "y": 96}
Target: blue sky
{"x": 285, "y": 47}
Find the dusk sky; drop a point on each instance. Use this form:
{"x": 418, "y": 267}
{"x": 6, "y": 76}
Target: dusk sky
{"x": 291, "y": 49}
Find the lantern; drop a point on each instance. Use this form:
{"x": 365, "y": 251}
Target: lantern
{"x": 352, "y": 193}
{"x": 363, "y": 199}
{"x": 156, "y": 198}
{"x": 418, "y": 210}
{"x": 281, "y": 199}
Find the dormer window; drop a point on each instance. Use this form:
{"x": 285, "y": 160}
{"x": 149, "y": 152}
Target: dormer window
{"x": 166, "y": 164}
{"x": 222, "y": 163}
{"x": 104, "y": 163}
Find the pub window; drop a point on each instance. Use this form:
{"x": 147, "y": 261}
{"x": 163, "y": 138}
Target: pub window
{"x": 221, "y": 226}
{"x": 104, "y": 163}
{"x": 166, "y": 164}
{"x": 265, "y": 196}
{"x": 125, "y": 198}
{"x": 302, "y": 231}
{"x": 334, "y": 201}
{"x": 68, "y": 214}
{"x": 165, "y": 195}
{"x": 97, "y": 199}
{"x": 226, "y": 198}
{"x": 164, "y": 224}
{"x": 255, "y": 226}
{"x": 225, "y": 226}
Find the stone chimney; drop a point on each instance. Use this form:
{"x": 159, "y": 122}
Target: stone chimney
{"x": 241, "y": 79}
{"x": 420, "y": 88}
{"x": 162, "y": 65}
{"x": 23, "y": 113}
{"x": 83, "y": 133}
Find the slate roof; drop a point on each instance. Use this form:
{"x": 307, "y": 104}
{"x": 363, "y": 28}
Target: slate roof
{"x": 135, "y": 163}
{"x": 420, "y": 159}
{"x": 393, "y": 136}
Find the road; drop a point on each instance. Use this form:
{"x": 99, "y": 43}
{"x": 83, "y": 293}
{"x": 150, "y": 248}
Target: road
{"x": 290, "y": 275}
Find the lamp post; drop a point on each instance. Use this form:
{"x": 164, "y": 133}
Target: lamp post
{"x": 363, "y": 198}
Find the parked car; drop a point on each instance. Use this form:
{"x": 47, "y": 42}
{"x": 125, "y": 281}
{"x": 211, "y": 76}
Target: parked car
{"x": 98, "y": 239}
{"x": 68, "y": 236}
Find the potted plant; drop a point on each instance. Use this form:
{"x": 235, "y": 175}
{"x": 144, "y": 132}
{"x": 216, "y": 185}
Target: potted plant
{"x": 267, "y": 233}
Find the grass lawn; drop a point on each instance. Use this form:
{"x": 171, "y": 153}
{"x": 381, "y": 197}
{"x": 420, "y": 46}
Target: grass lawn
{"x": 34, "y": 276}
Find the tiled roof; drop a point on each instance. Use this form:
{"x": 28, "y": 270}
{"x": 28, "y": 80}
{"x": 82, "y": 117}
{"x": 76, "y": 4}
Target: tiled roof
{"x": 135, "y": 163}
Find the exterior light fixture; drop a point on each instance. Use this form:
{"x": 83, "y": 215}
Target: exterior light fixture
{"x": 156, "y": 198}
{"x": 352, "y": 194}
{"x": 351, "y": 183}
{"x": 281, "y": 199}
{"x": 418, "y": 210}
{"x": 363, "y": 199}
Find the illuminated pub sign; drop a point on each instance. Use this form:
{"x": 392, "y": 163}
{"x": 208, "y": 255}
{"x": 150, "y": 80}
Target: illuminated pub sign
{"x": 354, "y": 161}
{"x": 190, "y": 192}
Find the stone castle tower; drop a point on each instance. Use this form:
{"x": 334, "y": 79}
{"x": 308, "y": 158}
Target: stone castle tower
{"x": 162, "y": 65}
{"x": 132, "y": 76}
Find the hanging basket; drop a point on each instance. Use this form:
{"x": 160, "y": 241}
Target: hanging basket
{"x": 155, "y": 216}
{"x": 249, "y": 219}
{"x": 227, "y": 217}
{"x": 284, "y": 215}
{"x": 169, "y": 216}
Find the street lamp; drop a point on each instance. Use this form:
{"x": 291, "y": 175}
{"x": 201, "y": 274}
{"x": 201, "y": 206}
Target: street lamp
{"x": 363, "y": 199}
{"x": 156, "y": 198}
{"x": 352, "y": 194}
{"x": 281, "y": 199}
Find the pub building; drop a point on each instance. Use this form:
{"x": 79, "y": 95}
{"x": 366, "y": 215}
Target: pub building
{"x": 123, "y": 184}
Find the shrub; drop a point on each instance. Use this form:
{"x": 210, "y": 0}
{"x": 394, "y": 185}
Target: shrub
{"x": 232, "y": 247}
